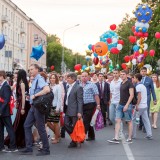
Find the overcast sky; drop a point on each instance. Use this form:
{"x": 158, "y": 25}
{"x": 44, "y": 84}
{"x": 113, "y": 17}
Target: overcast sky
{"x": 94, "y": 17}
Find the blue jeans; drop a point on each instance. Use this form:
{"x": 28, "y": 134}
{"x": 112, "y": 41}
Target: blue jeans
{"x": 37, "y": 118}
{"x": 112, "y": 111}
{"x": 127, "y": 115}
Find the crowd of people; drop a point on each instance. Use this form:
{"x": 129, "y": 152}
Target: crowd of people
{"x": 118, "y": 95}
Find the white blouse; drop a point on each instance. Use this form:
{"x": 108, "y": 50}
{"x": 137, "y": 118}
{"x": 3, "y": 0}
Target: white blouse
{"x": 57, "y": 91}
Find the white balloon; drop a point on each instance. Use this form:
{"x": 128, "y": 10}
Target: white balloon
{"x": 141, "y": 25}
{"x": 146, "y": 25}
{"x": 138, "y": 43}
{"x": 134, "y": 61}
{"x": 137, "y": 24}
{"x": 119, "y": 47}
{"x": 114, "y": 40}
{"x": 145, "y": 46}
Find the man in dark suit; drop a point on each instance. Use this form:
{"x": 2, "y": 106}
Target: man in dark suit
{"x": 104, "y": 95}
{"x": 74, "y": 103}
{"x": 147, "y": 81}
{"x": 5, "y": 117}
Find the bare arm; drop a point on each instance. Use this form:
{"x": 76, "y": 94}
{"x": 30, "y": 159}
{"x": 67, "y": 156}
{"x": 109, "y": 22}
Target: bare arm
{"x": 45, "y": 90}
{"x": 138, "y": 100}
{"x": 97, "y": 101}
{"x": 23, "y": 94}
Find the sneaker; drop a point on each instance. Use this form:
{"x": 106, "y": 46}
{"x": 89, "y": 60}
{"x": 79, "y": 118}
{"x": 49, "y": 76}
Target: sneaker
{"x": 149, "y": 137}
{"x": 26, "y": 152}
{"x": 2, "y": 150}
{"x": 49, "y": 136}
{"x": 11, "y": 150}
{"x": 129, "y": 141}
{"x": 116, "y": 141}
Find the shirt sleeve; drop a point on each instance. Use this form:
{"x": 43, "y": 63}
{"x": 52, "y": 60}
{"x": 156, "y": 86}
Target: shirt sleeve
{"x": 42, "y": 83}
{"x": 131, "y": 85}
{"x": 59, "y": 98}
{"x": 95, "y": 89}
{"x": 138, "y": 88}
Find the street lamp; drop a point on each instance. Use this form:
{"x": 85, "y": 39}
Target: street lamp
{"x": 63, "y": 65}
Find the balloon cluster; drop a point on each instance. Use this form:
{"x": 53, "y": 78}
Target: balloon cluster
{"x": 2, "y": 41}
{"x": 143, "y": 14}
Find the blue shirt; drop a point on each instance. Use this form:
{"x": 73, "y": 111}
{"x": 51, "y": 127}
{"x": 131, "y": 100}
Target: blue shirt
{"x": 41, "y": 83}
{"x": 89, "y": 91}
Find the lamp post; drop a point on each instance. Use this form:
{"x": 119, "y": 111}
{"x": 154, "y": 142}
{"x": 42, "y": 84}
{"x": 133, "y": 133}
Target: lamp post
{"x": 63, "y": 65}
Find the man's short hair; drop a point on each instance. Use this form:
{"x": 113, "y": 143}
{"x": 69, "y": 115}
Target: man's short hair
{"x": 101, "y": 74}
{"x": 138, "y": 76}
{"x": 35, "y": 66}
{"x": 72, "y": 75}
{"x": 3, "y": 74}
{"x": 124, "y": 71}
{"x": 144, "y": 68}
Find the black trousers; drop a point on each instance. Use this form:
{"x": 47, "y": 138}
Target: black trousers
{"x": 104, "y": 110}
{"x": 6, "y": 122}
{"x": 69, "y": 123}
{"x": 88, "y": 111}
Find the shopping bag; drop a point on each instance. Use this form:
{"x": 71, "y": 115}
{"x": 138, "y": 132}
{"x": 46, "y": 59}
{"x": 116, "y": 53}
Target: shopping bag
{"x": 94, "y": 117}
{"x": 78, "y": 134}
{"x": 62, "y": 119}
{"x": 99, "y": 121}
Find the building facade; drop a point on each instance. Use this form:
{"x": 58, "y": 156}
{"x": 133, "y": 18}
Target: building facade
{"x": 19, "y": 31}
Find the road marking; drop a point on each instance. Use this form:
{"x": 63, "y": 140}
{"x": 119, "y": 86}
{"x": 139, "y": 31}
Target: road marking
{"x": 127, "y": 148}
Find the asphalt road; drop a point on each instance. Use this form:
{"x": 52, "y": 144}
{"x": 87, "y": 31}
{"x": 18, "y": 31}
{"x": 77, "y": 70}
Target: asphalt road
{"x": 100, "y": 149}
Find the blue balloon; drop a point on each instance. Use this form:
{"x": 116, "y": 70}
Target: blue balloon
{"x": 144, "y": 30}
{"x": 143, "y": 13}
{"x": 2, "y": 41}
{"x": 137, "y": 29}
{"x": 90, "y": 46}
{"x": 37, "y": 52}
{"x": 95, "y": 54}
{"x": 84, "y": 67}
{"x": 135, "y": 48}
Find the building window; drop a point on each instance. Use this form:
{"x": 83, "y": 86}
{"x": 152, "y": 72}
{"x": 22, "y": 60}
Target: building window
{"x": 6, "y": 12}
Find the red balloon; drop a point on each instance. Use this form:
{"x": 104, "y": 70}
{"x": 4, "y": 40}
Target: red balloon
{"x": 77, "y": 67}
{"x": 132, "y": 39}
{"x": 109, "y": 40}
{"x": 113, "y": 27}
{"x": 127, "y": 58}
{"x": 121, "y": 42}
{"x": 133, "y": 28}
{"x": 124, "y": 66}
{"x": 152, "y": 53}
{"x": 145, "y": 53}
{"x": 114, "y": 50}
{"x": 131, "y": 57}
{"x": 146, "y": 34}
{"x": 95, "y": 60}
{"x": 140, "y": 34}
{"x": 157, "y": 35}
{"x": 52, "y": 67}
{"x": 93, "y": 48}
{"x": 135, "y": 33}
{"x": 136, "y": 54}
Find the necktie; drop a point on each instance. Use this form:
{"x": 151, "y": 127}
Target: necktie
{"x": 143, "y": 80}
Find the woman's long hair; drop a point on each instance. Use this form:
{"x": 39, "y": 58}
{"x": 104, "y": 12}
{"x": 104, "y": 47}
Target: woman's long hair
{"x": 22, "y": 77}
{"x": 157, "y": 82}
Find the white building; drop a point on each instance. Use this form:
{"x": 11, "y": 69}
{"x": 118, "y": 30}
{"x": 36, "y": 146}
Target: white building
{"x": 15, "y": 25}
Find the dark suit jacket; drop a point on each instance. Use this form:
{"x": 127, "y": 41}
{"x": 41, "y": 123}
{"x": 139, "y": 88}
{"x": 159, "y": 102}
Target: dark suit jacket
{"x": 5, "y": 94}
{"x": 150, "y": 87}
{"x": 75, "y": 101}
{"x": 106, "y": 94}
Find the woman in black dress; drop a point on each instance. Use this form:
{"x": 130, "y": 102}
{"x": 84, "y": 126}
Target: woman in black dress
{"x": 23, "y": 107}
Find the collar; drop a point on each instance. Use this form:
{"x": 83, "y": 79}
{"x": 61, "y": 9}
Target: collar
{"x": 3, "y": 83}
{"x": 71, "y": 85}
{"x": 37, "y": 76}
{"x": 119, "y": 80}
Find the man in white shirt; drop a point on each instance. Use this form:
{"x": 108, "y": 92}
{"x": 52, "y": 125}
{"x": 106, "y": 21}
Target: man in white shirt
{"x": 141, "y": 106}
{"x": 114, "y": 95}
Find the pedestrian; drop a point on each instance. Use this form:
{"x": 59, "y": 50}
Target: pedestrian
{"x": 34, "y": 115}
{"x": 91, "y": 101}
{"x": 124, "y": 109}
{"x": 23, "y": 106}
{"x": 104, "y": 95}
{"x": 5, "y": 115}
{"x": 54, "y": 116}
{"x": 155, "y": 108}
{"x": 74, "y": 104}
{"x": 141, "y": 107}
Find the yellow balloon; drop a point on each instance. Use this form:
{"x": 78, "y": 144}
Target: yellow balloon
{"x": 88, "y": 53}
{"x": 129, "y": 65}
{"x": 87, "y": 69}
{"x": 98, "y": 67}
{"x": 140, "y": 65}
{"x": 140, "y": 50}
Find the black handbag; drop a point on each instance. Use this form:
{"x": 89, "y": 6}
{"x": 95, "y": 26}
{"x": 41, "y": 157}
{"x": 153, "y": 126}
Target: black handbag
{"x": 43, "y": 103}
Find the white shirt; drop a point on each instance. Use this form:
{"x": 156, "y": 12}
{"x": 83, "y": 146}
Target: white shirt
{"x": 57, "y": 91}
{"x": 69, "y": 90}
{"x": 142, "y": 89}
{"x": 115, "y": 90}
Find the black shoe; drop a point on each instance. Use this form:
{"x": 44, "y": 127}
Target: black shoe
{"x": 90, "y": 139}
{"x": 110, "y": 123}
{"x": 11, "y": 150}
{"x": 26, "y": 152}
{"x": 43, "y": 153}
{"x": 62, "y": 135}
{"x": 2, "y": 150}
{"x": 72, "y": 145}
